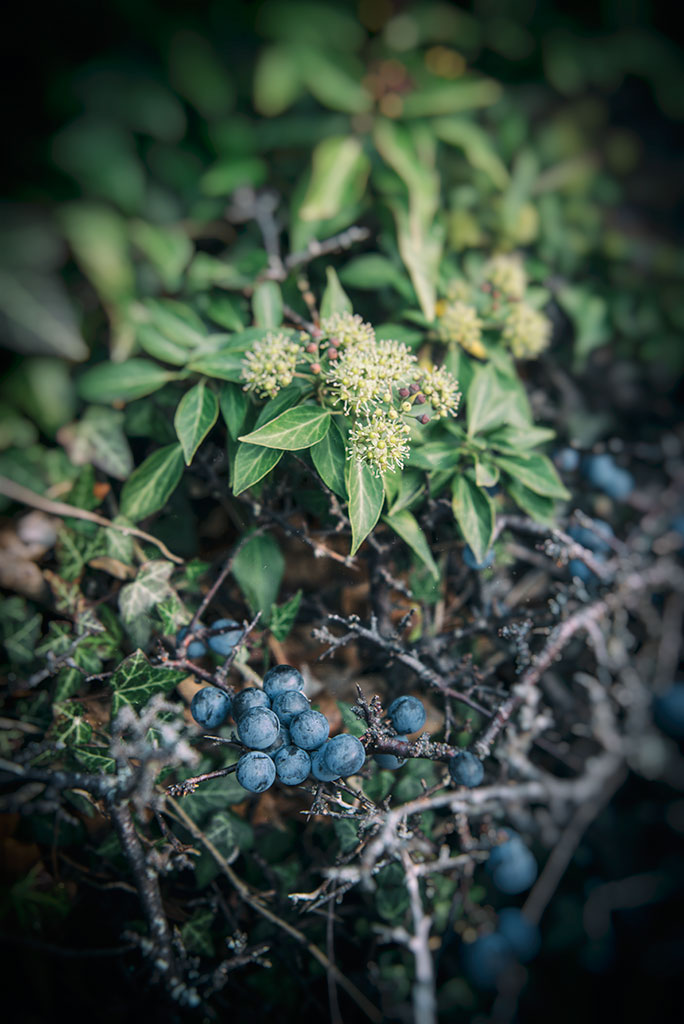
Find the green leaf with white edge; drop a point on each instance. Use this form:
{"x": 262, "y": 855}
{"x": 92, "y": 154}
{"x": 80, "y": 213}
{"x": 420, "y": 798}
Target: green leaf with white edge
{"x": 155, "y": 344}
{"x": 435, "y": 455}
{"x": 293, "y": 430}
{"x": 277, "y": 80}
{"x": 267, "y": 304}
{"x": 122, "y": 382}
{"x": 70, "y": 726}
{"x": 233, "y": 403}
{"x": 168, "y": 249}
{"x": 225, "y": 311}
{"x": 512, "y": 438}
{"x": 196, "y": 414}
{"x": 150, "y": 587}
{"x": 335, "y": 299}
{"x": 536, "y": 472}
{"x": 486, "y": 474}
{"x": 329, "y": 456}
{"x": 366, "y": 498}
{"x": 100, "y": 440}
{"x": 258, "y": 568}
{"x": 405, "y": 525}
{"x": 420, "y": 247}
{"x": 283, "y": 616}
{"x": 539, "y": 508}
{"x": 135, "y": 682}
{"x": 151, "y": 485}
{"x": 474, "y": 513}
{"x": 175, "y": 320}
{"x": 404, "y": 491}
{"x": 338, "y": 166}
{"x": 196, "y": 933}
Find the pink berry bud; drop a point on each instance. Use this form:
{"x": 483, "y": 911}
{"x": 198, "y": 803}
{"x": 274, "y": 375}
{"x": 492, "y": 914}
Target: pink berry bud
{"x": 312, "y": 347}
{"x": 424, "y": 418}
{"x": 404, "y": 392}
{"x": 316, "y": 332}
{"x": 420, "y": 399}
{"x": 315, "y": 367}
{"x": 333, "y": 353}
{"x": 414, "y": 388}
{"x": 335, "y": 342}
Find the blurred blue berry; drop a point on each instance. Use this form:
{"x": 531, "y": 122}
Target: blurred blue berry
{"x": 466, "y": 769}
{"x": 281, "y": 678}
{"x": 258, "y": 728}
{"x": 511, "y": 865}
{"x": 293, "y": 765}
{"x": 247, "y": 699}
{"x": 523, "y": 937}
{"x": 344, "y": 754}
{"x": 223, "y": 643}
{"x": 603, "y": 472}
{"x": 407, "y": 714}
{"x": 567, "y": 459}
{"x": 288, "y": 704}
{"x": 668, "y": 711}
{"x": 472, "y": 563}
{"x": 309, "y": 729}
{"x": 486, "y": 959}
{"x": 195, "y": 648}
{"x": 255, "y": 771}
{"x": 390, "y": 762}
{"x": 210, "y": 707}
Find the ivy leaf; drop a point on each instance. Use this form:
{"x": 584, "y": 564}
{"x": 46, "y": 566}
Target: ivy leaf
{"x": 283, "y": 616}
{"x": 474, "y": 514}
{"x": 366, "y": 497}
{"x": 258, "y": 568}
{"x": 338, "y": 174}
{"x": 196, "y": 414}
{"x": 487, "y": 404}
{"x": 152, "y": 483}
{"x": 196, "y": 933}
{"x": 94, "y": 760}
{"x": 329, "y": 456}
{"x": 233, "y": 403}
{"x": 540, "y": 508}
{"x": 136, "y": 681}
{"x": 267, "y": 304}
{"x": 252, "y": 464}
{"x": 113, "y": 382}
{"x": 293, "y": 430}
{"x": 70, "y": 727}
{"x": 335, "y": 299}
{"x": 405, "y": 525}
{"x": 536, "y": 472}
{"x": 150, "y": 587}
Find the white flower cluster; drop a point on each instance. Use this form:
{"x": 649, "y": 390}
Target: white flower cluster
{"x": 506, "y": 273}
{"x": 365, "y": 372}
{"x": 270, "y": 365}
{"x": 527, "y": 331}
{"x": 381, "y": 442}
{"x": 461, "y": 324}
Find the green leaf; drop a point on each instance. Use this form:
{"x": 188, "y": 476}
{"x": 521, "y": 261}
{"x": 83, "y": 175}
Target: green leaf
{"x": 493, "y": 399}
{"x": 225, "y": 311}
{"x": 405, "y": 525}
{"x": 155, "y": 344}
{"x": 486, "y": 475}
{"x": 70, "y": 726}
{"x": 267, "y": 304}
{"x": 435, "y": 455}
{"x": 136, "y": 681}
{"x": 536, "y": 472}
{"x": 150, "y": 587}
{"x": 444, "y": 97}
{"x": 233, "y": 403}
{"x": 230, "y": 173}
{"x": 366, "y": 497}
{"x": 151, "y": 485}
{"x": 252, "y": 464}
{"x": 329, "y": 456}
{"x": 293, "y": 430}
{"x": 277, "y": 80}
{"x": 100, "y": 439}
{"x": 39, "y": 315}
{"x": 335, "y": 299}
{"x": 339, "y": 167}
{"x": 196, "y": 933}
{"x": 283, "y": 616}
{"x": 95, "y": 760}
{"x": 404, "y": 491}
{"x": 196, "y": 414}
{"x": 352, "y": 724}
{"x": 258, "y": 568}
{"x": 474, "y": 513}
{"x": 168, "y": 249}
{"x": 541, "y": 509}
{"x": 114, "y": 382}
{"x": 476, "y": 144}
{"x": 512, "y": 439}
{"x": 332, "y": 85}
{"x": 371, "y": 271}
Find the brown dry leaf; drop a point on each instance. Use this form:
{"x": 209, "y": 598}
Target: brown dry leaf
{"x": 112, "y": 566}
{"x": 18, "y": 571}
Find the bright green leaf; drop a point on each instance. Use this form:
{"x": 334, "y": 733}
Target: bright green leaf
{"x": 283, "y": 616}
{"x": 329, "y": 456}
{"x": 233, "y": 403}
{"x": 252, "y": 464}
{"x": 536, "y": 472}
{"x": 405, "y": 524}
{"x": 335, "y": 299}
{"x": 366, "y": 498}
{"x": 151, "y": 485}
{"x": 114, "y": 382}
{"x": 196, "y": 414}
{"x": 267, "y": 304}
{"x": 293, "y": 430}
{"x": 339, "y": 166}
{"x": 474, "y": 513}
{"x": 258, "y": 568}
{"x": 135, "y": 681}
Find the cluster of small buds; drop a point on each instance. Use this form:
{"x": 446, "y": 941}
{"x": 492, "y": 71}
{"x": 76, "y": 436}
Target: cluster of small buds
{"x": 506, "y": 273}
{"x": 461, "y": 324}
{"x": 527, "y": 331}
{"x": 271, "y": 364}
{"x": 459, "y": 290}
{"x": 365, "y": 372}
{"x": 441, "y": 390}
{"x": 347, "y": 329}
{"x": 381, "y": 441}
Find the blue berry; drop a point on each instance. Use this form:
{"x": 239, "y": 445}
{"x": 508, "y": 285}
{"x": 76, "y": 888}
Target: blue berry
{"x": 344, "y": 755}
{"x": 288, "y": 704}
{"x": 281, "y": 678}
{"x": 319, "y": 769}
{"x": 293, "y": 765}
{"x": 593, "y": 540}
{"x": 486, "y": 959}
{"x": 567, "y": 459}
{"x": 309, "y": 729}
{"x": 472, "y": 563}
{"x": 255, "y": 771}
{"x": 247, "y": 699}
{"x": 603, "y": 472}
{"x": 522, "y": 936}
{"x": 223, "y": 643}
{"x": 390, "y": 762}
{"x": 668, "y": 711}
{"x": 210, "y": 707}
{"x": 407, "y": 714}
{"x": 195, "y": 648}
{"x": 258, "y": 728}
{"x": 283, "y": 739}
{"x": 512, "y": 866}
{"x": 466, "y": 769}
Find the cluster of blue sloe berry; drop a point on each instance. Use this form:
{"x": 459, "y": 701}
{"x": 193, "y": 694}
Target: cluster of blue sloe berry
{"x": 286, "y": 738}
{"x": 222, "y": 642}
{"x": 515, "y": 939}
